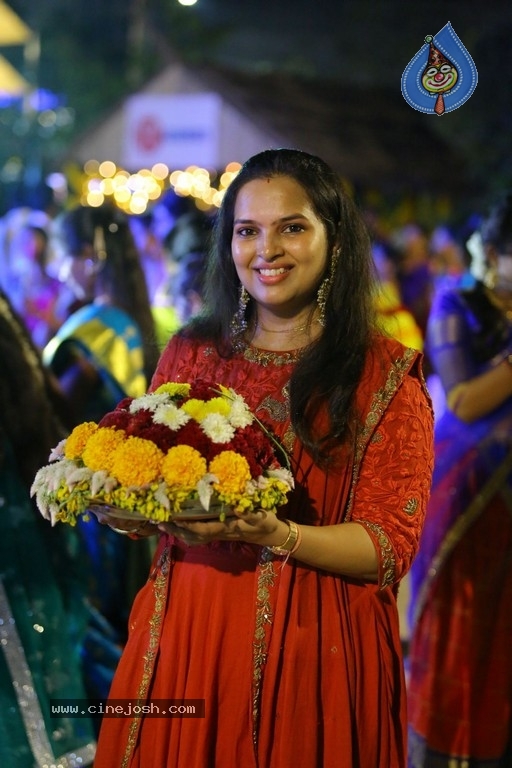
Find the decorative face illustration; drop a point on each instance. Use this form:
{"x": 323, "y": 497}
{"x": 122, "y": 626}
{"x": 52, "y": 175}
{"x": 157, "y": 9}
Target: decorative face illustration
{"x": 440, "y": 78}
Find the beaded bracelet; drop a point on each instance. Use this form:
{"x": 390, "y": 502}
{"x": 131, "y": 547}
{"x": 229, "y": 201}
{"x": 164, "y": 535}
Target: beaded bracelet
{"x": 292, "y": 540}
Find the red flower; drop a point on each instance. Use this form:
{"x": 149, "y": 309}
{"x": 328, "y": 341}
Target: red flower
{"x": 124, "y": 404}
{"x": 202, "y": 389}
{"x": 192, "y": 434}
{"x": 252, "y": 443}
{"x": 116, "y": 419}
{"x": 138, "y": 421}
{"x": 162, "y": 436}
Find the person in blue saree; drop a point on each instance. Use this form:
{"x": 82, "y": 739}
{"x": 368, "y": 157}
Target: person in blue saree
{"x": 460, "y": 686}
{"x": 42, "y": 608}
{"x": 105, "y": 351}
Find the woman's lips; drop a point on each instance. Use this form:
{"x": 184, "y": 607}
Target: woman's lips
{"x": 270, "y": 275}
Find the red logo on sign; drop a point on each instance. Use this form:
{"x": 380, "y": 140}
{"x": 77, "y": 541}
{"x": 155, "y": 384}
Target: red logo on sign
{"x": 149, "y": 134}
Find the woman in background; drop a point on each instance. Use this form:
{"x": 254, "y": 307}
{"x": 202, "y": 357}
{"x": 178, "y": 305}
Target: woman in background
{"x": 43, "y": 614}
{"x": 460, "y": 691}
{"x": 104, "y": 351}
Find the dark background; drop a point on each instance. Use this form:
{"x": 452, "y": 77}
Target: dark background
{"x": 94, "y": 53}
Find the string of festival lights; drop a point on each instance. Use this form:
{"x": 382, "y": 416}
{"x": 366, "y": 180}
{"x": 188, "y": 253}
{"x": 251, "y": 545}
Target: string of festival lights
{"x": 135, "y": 192}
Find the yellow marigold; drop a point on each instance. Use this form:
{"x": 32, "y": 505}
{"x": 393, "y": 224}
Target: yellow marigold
{"x": 136, "y": 461}
{"x": 233, "y": 472}
{"x": 174, "y": 389}
{"x": 99, "y": 451}
{"x": 183, "y": 466}
{"x": 78, "y": 438}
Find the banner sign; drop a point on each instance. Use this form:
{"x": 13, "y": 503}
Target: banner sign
{"x": 178, "y": 130}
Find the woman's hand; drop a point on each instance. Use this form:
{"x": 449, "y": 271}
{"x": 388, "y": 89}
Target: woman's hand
{"x": 125, "y": 526}
{"x": 257, "y": 527}
{"x": 346, "y": 548}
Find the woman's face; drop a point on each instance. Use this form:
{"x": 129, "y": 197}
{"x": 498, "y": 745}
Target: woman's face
{"x": 80, "y": 272}
{"x": 279, "y": 245}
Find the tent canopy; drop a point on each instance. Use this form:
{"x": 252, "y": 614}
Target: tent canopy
{"x": 13, "y": 31}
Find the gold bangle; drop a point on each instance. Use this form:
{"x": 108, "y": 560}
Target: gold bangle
{"x": 286, "y": 547}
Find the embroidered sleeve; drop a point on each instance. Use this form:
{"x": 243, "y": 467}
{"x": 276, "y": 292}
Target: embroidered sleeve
{"x": 394, "y": 480}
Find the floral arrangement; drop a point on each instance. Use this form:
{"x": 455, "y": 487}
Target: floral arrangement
{"x": 157, "y": 454}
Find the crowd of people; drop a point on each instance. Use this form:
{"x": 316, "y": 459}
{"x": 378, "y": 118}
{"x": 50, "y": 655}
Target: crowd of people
{"x": 348, "y": 339}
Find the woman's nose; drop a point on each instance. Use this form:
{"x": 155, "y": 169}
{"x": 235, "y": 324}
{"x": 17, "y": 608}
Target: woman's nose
{"x": 270, "y": 246}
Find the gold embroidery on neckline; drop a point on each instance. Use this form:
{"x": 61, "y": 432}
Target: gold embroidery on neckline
{"x": 266, "y": 357}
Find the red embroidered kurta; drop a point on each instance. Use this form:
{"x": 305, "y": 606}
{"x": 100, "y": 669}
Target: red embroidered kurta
{"x": 297, "y": 666}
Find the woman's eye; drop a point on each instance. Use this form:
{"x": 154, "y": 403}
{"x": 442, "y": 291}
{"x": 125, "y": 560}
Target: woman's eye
{"x": 294, "y": 228}
{"x": 244, "y": 232}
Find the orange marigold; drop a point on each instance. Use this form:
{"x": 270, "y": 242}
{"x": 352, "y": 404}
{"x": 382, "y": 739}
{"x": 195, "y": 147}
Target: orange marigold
{"x": 99, "y": 451}
{"x": 183, "y": 466}
{"x": 136, "y": 461}
{"x": 78, "y": 439}
{"x": 232, "y": 470}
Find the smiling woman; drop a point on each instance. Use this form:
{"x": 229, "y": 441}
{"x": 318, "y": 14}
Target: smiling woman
{"x": 289, "y": 620}
{"x": 280, "y": 257}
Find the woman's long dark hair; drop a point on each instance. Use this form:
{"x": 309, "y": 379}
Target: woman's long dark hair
{"x": 29, "y": 400}
{"x": 330, "y": 369}
{"x": 121, "y": 276}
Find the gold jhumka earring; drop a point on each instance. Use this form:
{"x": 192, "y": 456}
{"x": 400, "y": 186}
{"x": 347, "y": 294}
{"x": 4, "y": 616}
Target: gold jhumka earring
{"x": 325, "y": 287}
{"x": 239, "y": 321}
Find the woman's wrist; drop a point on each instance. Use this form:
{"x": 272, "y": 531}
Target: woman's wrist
{"x": 277, "y": 536}
{"x": 291, "y": 543}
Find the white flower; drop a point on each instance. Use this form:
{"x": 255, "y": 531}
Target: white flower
{"x": 53, "y": 511}
{"x": 148, "y": 402}
{"x": 205, "y": 490}
{"x": 110, "y": 484}
{"x": 43, "y": 503}
{"x": 161, "y": 496}
{"x": 57, "y": 453}
{"x": 98, "y": 480}
{"x": 250, "y": 488}
{"x": 217, "y": 428}
{"x": 171, "y": 416}
{"x": 283, "y": 474}
{"x": 240, "y": 415}
{"x": 75, "y": 475}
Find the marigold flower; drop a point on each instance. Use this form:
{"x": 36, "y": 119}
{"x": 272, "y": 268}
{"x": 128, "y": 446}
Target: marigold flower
{"x": 179, "y": 446}
{"x": 232, "y": 471}
{"x": 136, "y": 462}
{"x": 183, "y": 466}
{"x": 99, "y": 452}
{"x": 78, "y": 438}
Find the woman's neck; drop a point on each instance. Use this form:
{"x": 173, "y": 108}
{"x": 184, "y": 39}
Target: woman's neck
{"x": 284, "y": 334}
